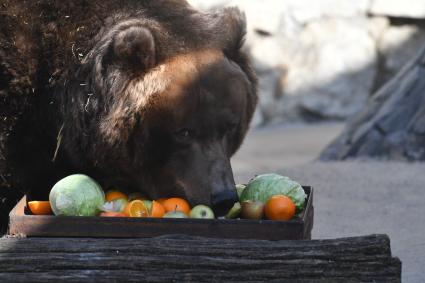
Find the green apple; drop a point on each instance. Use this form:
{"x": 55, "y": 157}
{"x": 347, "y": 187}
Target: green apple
{"x": 148, "y": 204}
{"x": 240, "y": 188}
{"x": 202, "y": 211}
{"x": 234, "y": 211}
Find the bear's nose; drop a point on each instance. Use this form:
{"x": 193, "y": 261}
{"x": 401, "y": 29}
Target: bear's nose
{"x": 223, "y": 201}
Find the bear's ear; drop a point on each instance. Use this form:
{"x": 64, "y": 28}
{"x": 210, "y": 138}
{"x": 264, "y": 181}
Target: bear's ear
{"x": 232, "y": 29}
{"x": 134, "y": 47}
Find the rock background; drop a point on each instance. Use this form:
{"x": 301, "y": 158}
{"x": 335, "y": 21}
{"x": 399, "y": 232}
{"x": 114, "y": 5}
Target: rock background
{"x": 322, "y": 59}
{"x": 392, "y": 124}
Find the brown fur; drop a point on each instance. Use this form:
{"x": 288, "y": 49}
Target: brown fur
{"x": 123, "y": 79}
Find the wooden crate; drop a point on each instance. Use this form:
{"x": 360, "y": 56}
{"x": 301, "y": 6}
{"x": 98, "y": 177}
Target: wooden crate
{"x": 22, "y": 223}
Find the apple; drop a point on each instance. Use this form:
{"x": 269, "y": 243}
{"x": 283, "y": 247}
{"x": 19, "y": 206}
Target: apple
{"x": 252, "y": 210}
{"x": 202, "y": 211}
{"x": 234, "y": 211}
{"x": 148, "y": 204}
{"x": 240, "y": 188}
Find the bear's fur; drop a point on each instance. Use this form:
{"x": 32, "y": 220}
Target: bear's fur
{"x": 142, "y": 95}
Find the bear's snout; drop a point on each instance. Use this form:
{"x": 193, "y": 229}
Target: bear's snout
{"x": 223, "y": 201}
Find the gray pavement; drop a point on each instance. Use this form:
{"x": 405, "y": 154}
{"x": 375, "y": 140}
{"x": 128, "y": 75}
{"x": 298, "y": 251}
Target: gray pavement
{"x": 351, "y": 198}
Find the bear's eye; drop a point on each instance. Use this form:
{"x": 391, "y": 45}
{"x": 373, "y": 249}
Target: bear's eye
{"x": 183, "y": 135}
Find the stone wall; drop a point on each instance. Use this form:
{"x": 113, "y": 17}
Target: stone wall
{"x": 322, "y": 59}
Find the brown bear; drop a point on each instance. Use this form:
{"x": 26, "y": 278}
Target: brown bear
{"x": 149, "y": 96}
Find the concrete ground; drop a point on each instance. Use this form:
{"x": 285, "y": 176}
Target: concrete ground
{"x": 351, "y": 198}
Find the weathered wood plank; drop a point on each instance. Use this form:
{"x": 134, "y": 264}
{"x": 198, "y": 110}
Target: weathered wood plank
{"x": 197, "y": 259}
{"x": 178, "y": 276}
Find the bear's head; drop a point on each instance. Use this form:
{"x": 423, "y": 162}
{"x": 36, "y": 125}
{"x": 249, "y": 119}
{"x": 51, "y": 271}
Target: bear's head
{"x": 161, "y": 109}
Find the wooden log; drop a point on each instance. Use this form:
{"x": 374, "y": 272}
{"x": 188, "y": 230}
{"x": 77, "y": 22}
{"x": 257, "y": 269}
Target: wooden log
{"x": 197, "y": 259}
{"x": 392, "y": 124}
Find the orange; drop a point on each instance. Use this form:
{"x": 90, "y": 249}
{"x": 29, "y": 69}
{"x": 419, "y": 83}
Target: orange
{"x": 161, "y": 200}
{"x": 157, "y": 210}
{"x": 279, "y": 207}
{"x": 40, "y": 207}
{"x": 176, "y": 204}
{"x": 112, "y": 214}
{"x": 136, "y": 208}
{"x": 113, "y": 195}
